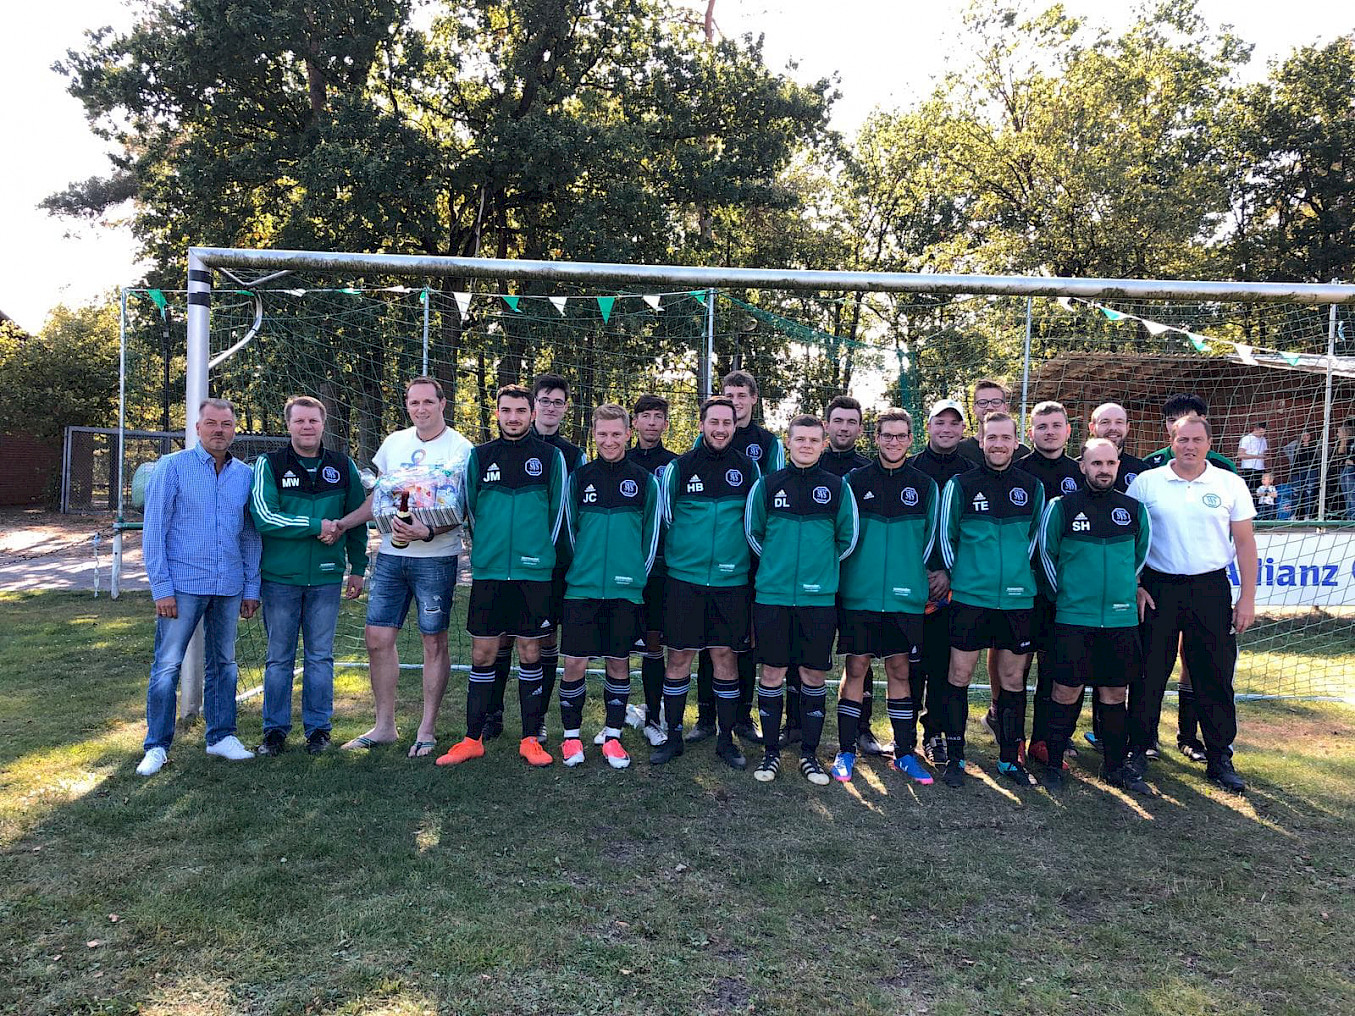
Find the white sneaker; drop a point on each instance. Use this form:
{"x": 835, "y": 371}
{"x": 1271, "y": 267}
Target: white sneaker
{"x": 599, "y": 737}
{"x": 153, "y": 762}
{"x": 230, "y": 748}
{"x": 655, "y": 735}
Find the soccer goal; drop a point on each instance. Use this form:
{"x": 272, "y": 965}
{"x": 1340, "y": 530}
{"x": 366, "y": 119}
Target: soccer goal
{"x": 349, "y": 328}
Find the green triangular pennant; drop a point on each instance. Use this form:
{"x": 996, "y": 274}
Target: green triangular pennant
{"x": 1197, "y": 341}
{"x": 423, "y": 295}
{"x": 605, "y": 304}
{"x": 158, "y": 298}
{"x": 1112, "y": 315}
{"x": 512, "y": 302}
{"x": 700, "y": 295}
{"x": 1290, "y": 358}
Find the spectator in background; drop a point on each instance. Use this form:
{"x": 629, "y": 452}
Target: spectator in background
{"x": 1304, "y": 473}
{"x": 1343, "y": 465}
{"x": 1251, "y": 455}
{"x": 1265, "y": 497}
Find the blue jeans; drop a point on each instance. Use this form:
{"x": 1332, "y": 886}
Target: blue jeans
{"x": 219, "y": 615}
{"x": 398, "y": 581}
{"x": 1348, "y": 491}
{"x": 312, "y": 612}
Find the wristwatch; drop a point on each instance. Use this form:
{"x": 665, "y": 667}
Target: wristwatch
{"x": 431, "y": 534}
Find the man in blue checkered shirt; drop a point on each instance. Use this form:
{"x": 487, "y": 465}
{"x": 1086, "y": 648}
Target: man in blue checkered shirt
{"x": 202, "y": 558}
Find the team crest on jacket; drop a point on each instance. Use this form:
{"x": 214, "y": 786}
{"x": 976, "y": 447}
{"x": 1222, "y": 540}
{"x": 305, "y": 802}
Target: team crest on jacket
{"x": 1067, "y": 485}
{"x": 908, "y": 496}
{"x": 754, "y": 452}
{"x": 629, "y": 488}
{"x": 734, "y": 478}
{"x": 1130, "y": 478}
{"x": 1120, "y": 517}
{"x": 330, "y": 474}
{"x": 822, "y": 495}
{"x": 1019, "y": 496}
{"x": 533, "y": 466}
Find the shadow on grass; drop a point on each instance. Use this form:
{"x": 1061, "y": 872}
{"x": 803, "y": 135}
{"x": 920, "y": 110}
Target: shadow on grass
{"x": 367, "y": 882}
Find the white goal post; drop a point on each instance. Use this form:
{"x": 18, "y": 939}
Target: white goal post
{"x": 203, "y": 262}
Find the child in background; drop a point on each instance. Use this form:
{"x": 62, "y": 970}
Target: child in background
{"x": 1265, "y": 497}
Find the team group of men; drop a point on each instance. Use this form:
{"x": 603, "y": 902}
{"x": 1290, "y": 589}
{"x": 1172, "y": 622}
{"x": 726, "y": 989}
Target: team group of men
{"x": 740, "y": 552}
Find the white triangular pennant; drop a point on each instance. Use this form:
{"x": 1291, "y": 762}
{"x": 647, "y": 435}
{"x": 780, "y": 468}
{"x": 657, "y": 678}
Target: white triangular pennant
{"x": 1066, "y": 303}
{"x": 463, "y": 304}
{"x": 1244, "y": 353}
{"x": 653, "y": 300}
{"x": 1156, "y": 327}
{"x": 295, "y": 292}
{"x": 558, "y": 302}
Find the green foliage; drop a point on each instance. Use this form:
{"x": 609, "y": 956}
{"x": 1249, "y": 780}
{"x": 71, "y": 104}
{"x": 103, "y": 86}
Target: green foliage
{"x": 66, "y": 375}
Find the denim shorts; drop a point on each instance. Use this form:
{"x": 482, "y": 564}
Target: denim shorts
{"x": 398, "y": 581}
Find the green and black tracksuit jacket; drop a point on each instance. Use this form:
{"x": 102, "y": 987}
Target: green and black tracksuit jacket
{"x": 516, "y": 508}
{"x": 801, "y": 523}
{"x": 655, "y": 460}
{"x": 1130, "y": 467}
{"x": 989, "y": 528}
{"x": 614, "y": 525}
{"x": 704, "y": 493}
{"x": 759, "y": 444}
{"x": 1164, "y": 455}
{"x": 940, "y": 466}
{"x": 1093, "y": 544}
{"x": 289, "y": 500}
{"x": 887, "y": 572}
{"x": 1060, "y": 476}
{"x": 841, "y": 463}
{"x": 574, "y": 455}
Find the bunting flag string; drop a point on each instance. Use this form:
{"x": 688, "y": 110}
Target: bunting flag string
{"x": 1244, "y": 352}
{"x": 653, "y": 300}
{"x": 558, "y": 302}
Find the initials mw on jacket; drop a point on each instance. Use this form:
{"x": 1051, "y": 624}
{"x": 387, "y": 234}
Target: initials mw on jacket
{"x": 990, "y": 524}
{"x": 800, "y": 523}
{"x": 613, "y": 530}
{"x": 288, "y": 503}
{"x": 887, "y": 572}
{"x": 1092, "y": 547}
{"x": 516, "y": 505}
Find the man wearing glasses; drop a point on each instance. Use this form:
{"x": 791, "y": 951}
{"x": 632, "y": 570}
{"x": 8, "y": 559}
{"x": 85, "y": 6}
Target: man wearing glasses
{"x": 989, "y": 397}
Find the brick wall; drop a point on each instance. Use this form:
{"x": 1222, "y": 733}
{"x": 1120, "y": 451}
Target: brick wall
{"x": 30, "y": 470}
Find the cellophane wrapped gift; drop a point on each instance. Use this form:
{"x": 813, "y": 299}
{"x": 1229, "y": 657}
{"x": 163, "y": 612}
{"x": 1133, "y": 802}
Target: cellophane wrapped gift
{"x": 437, "y": 493}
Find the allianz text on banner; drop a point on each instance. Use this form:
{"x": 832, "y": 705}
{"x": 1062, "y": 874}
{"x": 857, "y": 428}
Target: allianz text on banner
{"x": 1303, "y": 569}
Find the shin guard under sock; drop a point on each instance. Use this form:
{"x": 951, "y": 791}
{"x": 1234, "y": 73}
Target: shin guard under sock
{"x": 573, "y": 694}
{"x": 769, "y": 704}
{"x": 1011, "y": 723}
{"x": 726, "y": 706}
{"x": 903, "y": 720}
{"x": 813, "y": 706}
{"x": 503, "y": 666}
{"x": 848, "y": 723}
{"x": 615, "y": 695}
{"x": 1062, "y": 721}
{"x": 477, "y": 700}
{"x": 1187, "y": 719}
{"x": 957, "y": 718}
{"x": 530, "y": 699}
{"x": 550, "y": 662}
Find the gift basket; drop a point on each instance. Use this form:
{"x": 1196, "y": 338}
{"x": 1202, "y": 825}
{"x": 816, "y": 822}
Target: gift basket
{"x": 436, "y": 493}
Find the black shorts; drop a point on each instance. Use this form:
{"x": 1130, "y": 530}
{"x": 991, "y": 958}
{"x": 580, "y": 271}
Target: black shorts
{"x": 867, "y": 633}
{"x": 498, "y": 607}
{"x": 556, "y": 606}
{"x": 794, "y": 635}
{"x": 1098, "y": 657}
{"x": 705, "y": 617}
{"x": 601, "y": 628}
{"x": 654, "y": 599}
{"x": 975, "y": 628}
{"x": 1042, "y": 625}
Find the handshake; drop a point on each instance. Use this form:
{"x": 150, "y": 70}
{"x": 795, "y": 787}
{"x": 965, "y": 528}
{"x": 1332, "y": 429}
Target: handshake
{"x": 330, "y": 531}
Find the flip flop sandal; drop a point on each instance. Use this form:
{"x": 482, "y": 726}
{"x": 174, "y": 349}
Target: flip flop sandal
{"x": 422, "y": 749}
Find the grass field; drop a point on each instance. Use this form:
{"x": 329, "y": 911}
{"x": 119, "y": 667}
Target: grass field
{"x": 370, "y": 883}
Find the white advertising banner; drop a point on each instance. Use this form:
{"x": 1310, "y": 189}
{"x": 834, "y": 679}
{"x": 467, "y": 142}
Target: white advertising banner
{"x": 1303, "y": 569}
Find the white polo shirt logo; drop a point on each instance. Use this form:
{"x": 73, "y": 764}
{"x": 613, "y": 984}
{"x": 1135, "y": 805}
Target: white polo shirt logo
{"x": 1211, "y": 500}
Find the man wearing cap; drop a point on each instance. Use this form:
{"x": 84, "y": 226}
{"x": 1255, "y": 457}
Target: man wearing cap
{"x": 1201, "y": 522}
{"x": 940, "y": 461}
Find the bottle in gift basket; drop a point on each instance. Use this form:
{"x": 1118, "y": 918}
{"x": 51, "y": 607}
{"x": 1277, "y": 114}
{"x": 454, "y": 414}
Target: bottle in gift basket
{"x": 405, "y": 516}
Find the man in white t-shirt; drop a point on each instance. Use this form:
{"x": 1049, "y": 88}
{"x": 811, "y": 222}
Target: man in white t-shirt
{"x": 1251, "y": 455}
{"x": 422, "y": 573}
{"x": 1201, "y": 521}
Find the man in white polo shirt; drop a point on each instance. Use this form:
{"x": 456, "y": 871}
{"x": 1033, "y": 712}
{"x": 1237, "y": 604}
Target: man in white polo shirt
{"x": 1201, "y": 519}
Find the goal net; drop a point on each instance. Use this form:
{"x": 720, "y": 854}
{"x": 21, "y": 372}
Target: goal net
{"x": 353, "y": 341}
